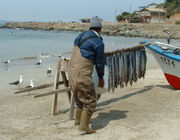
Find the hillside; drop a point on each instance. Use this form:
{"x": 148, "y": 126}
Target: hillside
{"x": 172, "y": 6}
{"x": 175, "y": 16}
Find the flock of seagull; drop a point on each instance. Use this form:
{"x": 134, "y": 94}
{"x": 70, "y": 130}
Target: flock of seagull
{"x": 20, "y": 81}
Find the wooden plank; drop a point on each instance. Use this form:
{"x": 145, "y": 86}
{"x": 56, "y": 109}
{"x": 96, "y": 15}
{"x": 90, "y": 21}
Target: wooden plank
{"x": 37, "y": 87}
{"x": 53, "y": 92}
{"x": 34, "y": 88}
{"x": 66, "y": 84}
{"x": 54, "y": 106}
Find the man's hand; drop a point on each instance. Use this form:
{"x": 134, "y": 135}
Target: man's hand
{"x": 101, "y": 83}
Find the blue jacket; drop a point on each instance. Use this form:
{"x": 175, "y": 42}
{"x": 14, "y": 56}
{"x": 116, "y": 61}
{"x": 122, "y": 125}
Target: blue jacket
{"x": 92, "y": 49}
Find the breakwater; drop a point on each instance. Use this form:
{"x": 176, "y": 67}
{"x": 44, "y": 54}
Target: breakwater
{"x": 151, "y": 30}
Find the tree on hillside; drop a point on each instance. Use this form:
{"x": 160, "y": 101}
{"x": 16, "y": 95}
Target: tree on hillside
{"x": 120, "y": 18}
{"x": 172, "y": 7}
{"x": 125, "y": 15}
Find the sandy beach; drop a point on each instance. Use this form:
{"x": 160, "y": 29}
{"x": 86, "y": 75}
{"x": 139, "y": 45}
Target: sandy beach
{"x": 149, "y": 110}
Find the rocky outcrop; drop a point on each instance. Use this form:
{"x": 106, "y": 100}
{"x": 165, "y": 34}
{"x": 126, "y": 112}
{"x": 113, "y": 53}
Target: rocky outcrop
{"x": 175, "y": 17}
{"x": 156, "y": 30}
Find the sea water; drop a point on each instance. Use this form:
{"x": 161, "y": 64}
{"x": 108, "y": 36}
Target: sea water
{"x": 26, "y": 47}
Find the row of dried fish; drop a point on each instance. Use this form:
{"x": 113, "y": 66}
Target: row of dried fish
{"x": 125, "y": 66}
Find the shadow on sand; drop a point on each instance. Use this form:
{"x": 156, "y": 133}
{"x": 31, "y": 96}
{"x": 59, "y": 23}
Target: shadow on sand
{"x": 105, "y": 103}
{"x": 166, "y": 86}
{"x": 104, "y": 118}
{"x": 62, "y": 111}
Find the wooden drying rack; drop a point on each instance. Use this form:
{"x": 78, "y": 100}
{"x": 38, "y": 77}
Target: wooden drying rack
{"x": 60, "y": 69}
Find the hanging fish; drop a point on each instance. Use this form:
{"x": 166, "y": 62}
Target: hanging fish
{"x": 145, "y": 61}
{"x": 130, "y": 68}
{"x": 134, "y": 67}
{"x": 125, "y": 66}
{"x": 108, "y": 62}
{"x": 113, "y": 72}
{"x": 138, "y": 63}
{"x": 126, "y": 70}
{"x": 116, "y": 70}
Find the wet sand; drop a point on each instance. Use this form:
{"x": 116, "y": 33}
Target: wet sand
{"x": 149, "y": 110}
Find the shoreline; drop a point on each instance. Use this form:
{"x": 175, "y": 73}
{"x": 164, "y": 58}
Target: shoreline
{"x": 151, "y": 30}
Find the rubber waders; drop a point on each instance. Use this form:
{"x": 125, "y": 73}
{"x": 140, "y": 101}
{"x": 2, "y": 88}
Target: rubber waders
{"x": 84, "y": 123}
{"x": 77, "y": 116}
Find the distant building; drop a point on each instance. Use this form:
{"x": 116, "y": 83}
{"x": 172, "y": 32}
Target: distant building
{"x": 152, "y": 5}
{"x": 152, "y": 15}
{"x": 87, "y": 20}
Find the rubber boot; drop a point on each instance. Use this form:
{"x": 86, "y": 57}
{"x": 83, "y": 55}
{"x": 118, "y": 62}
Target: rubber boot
{"x": 77, "y": 116}
{"x": 84, "y": 123}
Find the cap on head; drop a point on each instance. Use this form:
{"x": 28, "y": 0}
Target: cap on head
{"x": 95, "y": 22}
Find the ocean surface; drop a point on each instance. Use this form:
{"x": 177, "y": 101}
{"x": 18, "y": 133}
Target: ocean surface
{"x": 2, "y": 22}
{"x": 26, "y": 47}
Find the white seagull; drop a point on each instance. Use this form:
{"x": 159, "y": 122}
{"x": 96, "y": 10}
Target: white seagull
{"x": 31, "y": 84}
{"x": 18, "y": 82}
{"x": 38, "y": 63}
{"x": 49, "y": 71}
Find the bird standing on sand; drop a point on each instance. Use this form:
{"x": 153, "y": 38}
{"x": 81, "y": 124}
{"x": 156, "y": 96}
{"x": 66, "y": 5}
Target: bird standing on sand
{"x": 31, "y": 84}
{"x": 7, "y": 62}
{"x": 38, "y": 63}
{"x": 49, "y": 71}
{"x": 18, "y": 82}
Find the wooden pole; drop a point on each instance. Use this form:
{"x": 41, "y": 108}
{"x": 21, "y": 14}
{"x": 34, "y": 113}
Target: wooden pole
{"x": 66, "y": 84}
{"x": 54, "y": 107}
{"x": 127, "y": 49}
{"x": 72, "y": 107}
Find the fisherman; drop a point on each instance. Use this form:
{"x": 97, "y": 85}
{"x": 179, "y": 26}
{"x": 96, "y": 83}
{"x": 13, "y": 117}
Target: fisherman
{"x": 168, "y": 37}
{"x": 88, "y": 51}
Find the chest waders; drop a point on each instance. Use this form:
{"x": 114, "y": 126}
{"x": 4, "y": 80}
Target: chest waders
{"x": 80, "y": 76}
{"x": 80, "y": 71}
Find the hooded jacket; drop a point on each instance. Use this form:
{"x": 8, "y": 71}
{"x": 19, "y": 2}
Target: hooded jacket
{"x": 92, "y": 49}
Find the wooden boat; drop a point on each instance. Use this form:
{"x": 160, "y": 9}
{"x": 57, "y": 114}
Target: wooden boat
{"x": 168, "y": 57}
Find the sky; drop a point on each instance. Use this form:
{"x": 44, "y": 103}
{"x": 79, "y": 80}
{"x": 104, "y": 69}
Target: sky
{"x": 67, "y": 10}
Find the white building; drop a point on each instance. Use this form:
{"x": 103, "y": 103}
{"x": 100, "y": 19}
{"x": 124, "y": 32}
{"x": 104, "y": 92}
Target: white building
{"x": 152, "y": 15}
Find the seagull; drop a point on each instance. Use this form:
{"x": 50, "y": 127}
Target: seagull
{"x": 18, "y": 82}
{"x": 7, "y": 62}
{"x": 31, "y": 84}
{"x": 49, "y": 71}
{"x": 38, "y": 63}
